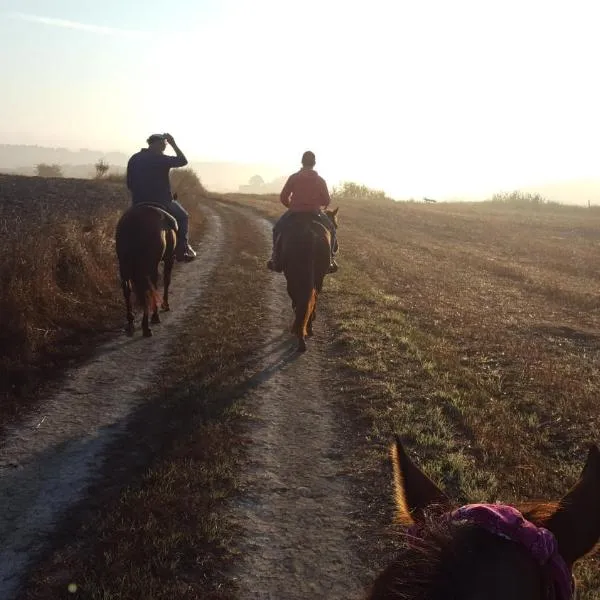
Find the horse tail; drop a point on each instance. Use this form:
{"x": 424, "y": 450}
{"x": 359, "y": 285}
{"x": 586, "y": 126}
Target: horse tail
{"x": 145, "y": 291}
{"x": 306, "y": 293}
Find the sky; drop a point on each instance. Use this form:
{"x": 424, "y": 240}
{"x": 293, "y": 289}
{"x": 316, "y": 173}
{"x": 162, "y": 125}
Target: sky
{"x": 436, "y": 98}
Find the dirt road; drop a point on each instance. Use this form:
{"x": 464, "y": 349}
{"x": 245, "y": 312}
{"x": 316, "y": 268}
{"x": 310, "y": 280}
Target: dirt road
{"x": 296, "y": 512}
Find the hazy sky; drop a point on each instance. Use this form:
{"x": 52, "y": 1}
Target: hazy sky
{"x": 419, "y": 97}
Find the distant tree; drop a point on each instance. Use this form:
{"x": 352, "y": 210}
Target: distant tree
{"x": 256, "y": 181}
{"x": 44, "y": 170}
{"x": 102, "y": 168}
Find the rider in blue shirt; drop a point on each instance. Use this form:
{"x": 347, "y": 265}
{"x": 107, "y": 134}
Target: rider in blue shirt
{"x": 148, "y": 182}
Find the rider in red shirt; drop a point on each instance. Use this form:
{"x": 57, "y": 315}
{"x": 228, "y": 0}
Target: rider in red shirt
{"x": 304, "y": 191}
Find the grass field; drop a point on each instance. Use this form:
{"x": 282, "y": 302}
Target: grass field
{"x": 471, "y": 329}
{"x": 474, "y": 331}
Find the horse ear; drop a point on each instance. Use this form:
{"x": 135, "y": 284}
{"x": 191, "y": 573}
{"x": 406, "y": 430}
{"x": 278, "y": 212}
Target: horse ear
{"x": 576, "y": 522}
{"x": 414, "y": 491}
{"x": 334, "y": 212}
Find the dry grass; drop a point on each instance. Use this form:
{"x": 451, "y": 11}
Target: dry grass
{"x": 59, "y": 285}
{"x": 473, "y": 331}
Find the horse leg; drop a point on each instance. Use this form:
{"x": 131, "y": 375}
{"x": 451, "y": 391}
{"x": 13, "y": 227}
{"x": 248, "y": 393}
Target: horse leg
{"x": 147, "y": 332}
{"x": 167, "y": 277}
{"x": 126, "y": 286}
{"x": 155, "y": 316}
{"x": 309, "y": 328}
{"x": 313, "y": 316}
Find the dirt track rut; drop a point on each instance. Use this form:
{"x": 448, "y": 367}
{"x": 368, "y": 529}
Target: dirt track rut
{"x": 296, "y": 510}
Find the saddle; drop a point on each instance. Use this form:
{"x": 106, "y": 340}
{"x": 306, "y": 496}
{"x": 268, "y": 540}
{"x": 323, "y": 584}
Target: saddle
{"x": 302, "y": 219}
{"x": 296, "y": 222}
{"x": 169, "y": 220}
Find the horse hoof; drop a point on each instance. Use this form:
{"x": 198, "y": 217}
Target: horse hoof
{"x": 165, "y": 306}
{"x": 129, "y": 330}
{"x": 148, "y": 332}
{"x": 155, "y": 319}
{"x": 301, "y": 346}
{"x": 309, "y": 332}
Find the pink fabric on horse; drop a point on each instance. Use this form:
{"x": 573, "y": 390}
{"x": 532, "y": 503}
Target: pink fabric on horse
{"x": 508, "y": 522}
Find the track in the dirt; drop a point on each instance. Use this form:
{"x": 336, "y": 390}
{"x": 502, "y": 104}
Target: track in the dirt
{"x": 48, "y": 461}
{"x": 296, "y": 507}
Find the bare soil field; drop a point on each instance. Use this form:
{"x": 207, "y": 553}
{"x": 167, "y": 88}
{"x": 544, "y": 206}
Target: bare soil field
{"x": 471, "y": 330}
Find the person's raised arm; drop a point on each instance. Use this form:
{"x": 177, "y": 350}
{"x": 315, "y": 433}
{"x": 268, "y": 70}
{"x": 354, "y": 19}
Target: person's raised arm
{"x": 286, "y": 191}
{"x": 179, "y": 160}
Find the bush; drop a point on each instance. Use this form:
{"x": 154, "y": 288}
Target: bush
{"x": 44, "y": 170}
{"x": 185, "y": 183}
{"x": 116, "y": 177}
{"x": 522, "y": 199}
{"x": 355, "y": 191}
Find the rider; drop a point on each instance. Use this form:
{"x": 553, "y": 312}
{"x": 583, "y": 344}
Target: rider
{"x": 304, "y": 192}
{"x": 148, "y": 181}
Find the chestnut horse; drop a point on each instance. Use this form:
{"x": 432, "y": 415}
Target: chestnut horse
{"x": 305, "y": 254}
{"x": 146, "y": 234}
{"x": 490, "y": 551}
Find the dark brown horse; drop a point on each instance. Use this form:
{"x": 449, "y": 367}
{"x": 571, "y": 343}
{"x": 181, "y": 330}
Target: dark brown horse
{"x": 466, "y": 554}
{"x": 305, "y": 254}
{"x": 145, "y": 236}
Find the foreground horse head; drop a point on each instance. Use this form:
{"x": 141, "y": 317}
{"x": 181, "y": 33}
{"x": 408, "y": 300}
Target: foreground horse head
{"x": 488, "y": 551}
{"x": 145, "y": 236}
{"x": 306, "y": 258}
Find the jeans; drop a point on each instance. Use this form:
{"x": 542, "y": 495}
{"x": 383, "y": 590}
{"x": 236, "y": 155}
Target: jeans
{"x": 325, "y": 221}
{"x": 181, "y": 215}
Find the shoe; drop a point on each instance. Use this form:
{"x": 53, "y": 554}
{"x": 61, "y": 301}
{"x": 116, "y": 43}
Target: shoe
{"x": 185, "y": 257}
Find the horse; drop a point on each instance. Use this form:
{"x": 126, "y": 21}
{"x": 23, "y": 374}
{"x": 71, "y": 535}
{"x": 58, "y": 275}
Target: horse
{"x": 145, "y": 236}
{"x": 490, "y": 551}
{"x": 306, "y": 254}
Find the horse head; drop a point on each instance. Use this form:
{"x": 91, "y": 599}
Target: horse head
{"x": 333, "y": 216}
{"x": 488, "y": 551}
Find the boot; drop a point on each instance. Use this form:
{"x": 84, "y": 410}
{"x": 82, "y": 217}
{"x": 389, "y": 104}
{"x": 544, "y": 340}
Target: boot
{"x": 185, "y": 254}
{"x": 273, "y": 264}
